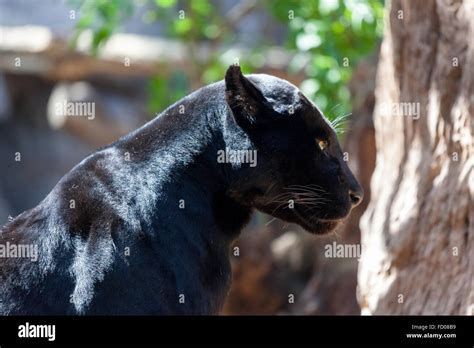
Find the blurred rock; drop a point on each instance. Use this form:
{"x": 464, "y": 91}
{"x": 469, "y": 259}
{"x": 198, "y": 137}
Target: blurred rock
{"x": 272, "y": 264}
{"x": 106, "y": 114}
{"x": 294, "y": 251}
{"x": 5, "y": 107}
{"x": 4, "y": 209}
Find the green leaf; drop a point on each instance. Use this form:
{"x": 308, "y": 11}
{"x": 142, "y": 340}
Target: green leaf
{"x": 165, "y": 3}
{"x": 201, "y": 7}
{"x": 182, "y": 26}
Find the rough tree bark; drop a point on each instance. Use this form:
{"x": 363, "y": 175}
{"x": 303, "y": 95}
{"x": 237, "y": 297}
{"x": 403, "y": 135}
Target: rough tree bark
{"x": 418, "y": 231}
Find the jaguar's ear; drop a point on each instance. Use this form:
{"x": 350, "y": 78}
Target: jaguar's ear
{"x": 246, "y": 101}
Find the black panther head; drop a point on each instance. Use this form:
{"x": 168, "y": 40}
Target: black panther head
{"x": 300, "y": 175}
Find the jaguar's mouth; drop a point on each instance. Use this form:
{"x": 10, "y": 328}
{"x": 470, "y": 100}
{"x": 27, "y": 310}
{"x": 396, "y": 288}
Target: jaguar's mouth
{"x": 314, "y": 214}
{"x": 316, "y": 225}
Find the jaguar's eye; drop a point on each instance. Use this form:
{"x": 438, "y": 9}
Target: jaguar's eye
{"x": 323, "y": 144}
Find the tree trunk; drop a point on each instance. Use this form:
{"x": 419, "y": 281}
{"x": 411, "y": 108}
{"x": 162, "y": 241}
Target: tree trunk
{"x": 418, "y": 231}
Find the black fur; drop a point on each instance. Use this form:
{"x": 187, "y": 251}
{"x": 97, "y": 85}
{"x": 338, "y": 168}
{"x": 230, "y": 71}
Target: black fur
{"x": 112, "y": 237}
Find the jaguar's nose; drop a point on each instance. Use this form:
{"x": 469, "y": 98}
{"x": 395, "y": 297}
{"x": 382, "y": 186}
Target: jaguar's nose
{"x": 356, "y": 197}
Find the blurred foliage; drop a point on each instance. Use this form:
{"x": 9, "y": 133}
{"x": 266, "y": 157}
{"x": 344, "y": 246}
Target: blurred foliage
{"x": 336, "y": 34}
{"x": 103, "y": 17}
{"x": 191, "y": 22}
{"x": 327, "y": 38}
